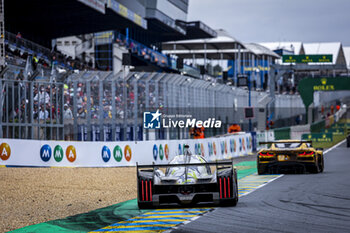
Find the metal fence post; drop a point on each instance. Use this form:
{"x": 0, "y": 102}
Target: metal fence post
{"x": 114, "y": 111}
{"x": 1, "y": 108}
{"x": 75, "y": 111}
{"x": 101, "y": 109}
{"x": 125, "y": 109}
{"x": 135, "y": 106}
{"x": 88, "y": 107}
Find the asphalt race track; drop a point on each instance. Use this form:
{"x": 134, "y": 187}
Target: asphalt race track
{"x": 292, "y": 203}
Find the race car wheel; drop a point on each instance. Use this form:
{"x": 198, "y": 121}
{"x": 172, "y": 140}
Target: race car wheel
{"x": 315, "y": 168}
{"x": 321, "y": 165}
{"x": 235, "y": 200}
{"x": 261, "y": 169}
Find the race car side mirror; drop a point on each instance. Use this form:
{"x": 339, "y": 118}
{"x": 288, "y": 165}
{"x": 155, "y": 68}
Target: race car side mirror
{"x": 319, "y": 148}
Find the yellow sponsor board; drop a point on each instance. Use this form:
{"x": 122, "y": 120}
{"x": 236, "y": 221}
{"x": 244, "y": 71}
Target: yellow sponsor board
{"x": 260, "y": 68}
{"x": 123, "y": 10}
{"x": 137, "y": 19}
{"x": 324, "y": 88}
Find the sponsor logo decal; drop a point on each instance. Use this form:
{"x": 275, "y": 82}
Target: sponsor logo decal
{"x": 5, "y": 151}
{"x": 231, "y": 145}
{"x": 71, "y": 153}
{"x": 156, "y": 120}
{"x": 166, "y": 151}
{"x": 222, "y": 147}
{"x": 210, "y": 148}
{"x": 118, "y": 153}
{"x": 155, "y": 152}
{"x": 202, "y": 149}
{"x": 45, "y": 153}
{"x": 161, "y": 152}
{"x": 58, "y": 153}
{"x": 151, "y": 120}
{"x": 106, "y": 154}
{"x": 180, "y": 149}
{"x": 127, "y": 153}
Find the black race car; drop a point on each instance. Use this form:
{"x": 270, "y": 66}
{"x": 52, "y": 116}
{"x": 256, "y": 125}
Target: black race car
{"x": 187, "y": 180}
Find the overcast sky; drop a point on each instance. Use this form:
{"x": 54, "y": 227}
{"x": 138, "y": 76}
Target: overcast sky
{"x": 277, "y": 20}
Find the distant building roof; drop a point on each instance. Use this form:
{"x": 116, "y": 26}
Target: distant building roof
{"x": 347, "y": 56}
{"x": 222, "y": 37}
{"x": 260, "y": 50}
{"x": 334, "y": 48}
{"x": 224, "y": 46}
{"x": 296, "y": 47}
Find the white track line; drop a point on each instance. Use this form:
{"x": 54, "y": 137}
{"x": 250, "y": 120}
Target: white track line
{"x": 261, "y": 185}
{"x": 335, "y": 146}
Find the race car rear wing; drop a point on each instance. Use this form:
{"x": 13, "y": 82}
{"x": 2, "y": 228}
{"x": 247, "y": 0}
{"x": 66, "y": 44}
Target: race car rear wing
{"x": 228, "y": 163}
{"x": 285, "y": 141}
{"x": 219, "y": 165}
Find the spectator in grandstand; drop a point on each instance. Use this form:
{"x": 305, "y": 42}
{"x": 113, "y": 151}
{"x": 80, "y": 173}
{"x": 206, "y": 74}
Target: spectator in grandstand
{"x": 79, "y": 101}
{"x": 35, "y": 112}
{"x": 106, "y": 112}
{"x": 234, "y": 128}
{"x": 42, "y": 97}
{"x": 337, "y": 107}
{"x": 43, "y": 114}
{"x": 20, "y": 76}
{"x": 297, "y": 119}
{"x": 81, "y": 113}
{"x": 19, "y": 35}
{"x": 67, "y": 114}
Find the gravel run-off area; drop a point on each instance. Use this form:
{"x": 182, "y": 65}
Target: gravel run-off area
{"x": 33, "y": 195}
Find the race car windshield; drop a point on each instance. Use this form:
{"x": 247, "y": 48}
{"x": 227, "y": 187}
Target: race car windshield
{"x": 288, "y": 145}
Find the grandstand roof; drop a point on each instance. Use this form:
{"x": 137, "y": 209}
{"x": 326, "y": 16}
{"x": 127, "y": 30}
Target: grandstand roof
{"x": 296, "y": 47}
{"x": 334, "y": 48}
{"x": 224, "y": 46}
{"x": 260, "y": 50}
{"x": 41, "y": 21}
{"x": 347, "y": 56}
{"x": 221, "y": 47}
{"x": 222, "y": 41}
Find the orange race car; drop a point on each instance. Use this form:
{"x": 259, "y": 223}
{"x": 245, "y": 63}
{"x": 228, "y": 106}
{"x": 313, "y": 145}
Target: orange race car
{"x": 282, "y": 155}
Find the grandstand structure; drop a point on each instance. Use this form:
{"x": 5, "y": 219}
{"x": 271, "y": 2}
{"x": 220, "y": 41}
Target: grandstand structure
{"x": 241, "y": 58}
{"x": 64, "y": 78}
{"x": 2, "y": 33}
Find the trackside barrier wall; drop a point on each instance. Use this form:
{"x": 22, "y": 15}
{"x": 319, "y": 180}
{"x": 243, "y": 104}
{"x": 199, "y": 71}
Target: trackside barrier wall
{"x": 296, "y": 132}
{"x": 282, "y": 133}
{"x": 264, "y": 136}
{"x": 317, "y": 126}
{"x": 15, "y": 152}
